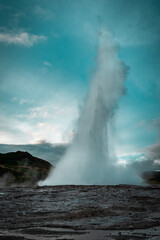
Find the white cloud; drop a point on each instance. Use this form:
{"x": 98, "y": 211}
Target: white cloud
{"x": 7, "y": 137}
{"x": 52, "y": 122}
{"x": 23, "y": 38}
{"x": 38, "y": 112}
{"x": 56, "y": 112}
{"x": 14, "y": 99}
{"x": 46, "y": 13}
{"x": 23, "y": 101}
{"x": 149, "y": 160}
{"x": 48, "y": 64}
{"x": 45, "y": 130}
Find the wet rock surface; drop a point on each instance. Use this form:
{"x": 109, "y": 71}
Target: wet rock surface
{"x": 80, "y": 212}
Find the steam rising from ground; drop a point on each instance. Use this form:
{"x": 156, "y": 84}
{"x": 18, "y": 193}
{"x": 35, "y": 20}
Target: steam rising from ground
{"x": 91, "y": 159}
{"x": 150, "y": 159}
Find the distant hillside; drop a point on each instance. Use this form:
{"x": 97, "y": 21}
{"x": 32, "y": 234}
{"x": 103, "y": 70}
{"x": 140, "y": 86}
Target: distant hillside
{"x": 151, "y": 177}
{"x": 50, "y": 152}
{"x": 21, "y": 168}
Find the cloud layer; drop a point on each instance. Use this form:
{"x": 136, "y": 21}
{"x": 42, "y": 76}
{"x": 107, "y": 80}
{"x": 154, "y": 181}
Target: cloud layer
{"x": 23, "y": 38}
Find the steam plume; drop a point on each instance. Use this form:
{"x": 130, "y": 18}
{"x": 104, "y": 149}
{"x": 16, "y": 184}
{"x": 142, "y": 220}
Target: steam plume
{"x": 90, "y": 159}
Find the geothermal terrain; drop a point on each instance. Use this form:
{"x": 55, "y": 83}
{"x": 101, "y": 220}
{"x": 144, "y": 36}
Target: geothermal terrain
{"x": 80, "y": 212}
{"x": 72, "y": 211}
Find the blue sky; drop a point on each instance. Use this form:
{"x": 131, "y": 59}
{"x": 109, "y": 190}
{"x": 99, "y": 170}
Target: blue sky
{"x": 47, "y": 58}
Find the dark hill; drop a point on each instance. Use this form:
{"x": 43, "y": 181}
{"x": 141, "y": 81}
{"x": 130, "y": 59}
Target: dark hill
{"x": 21, "y": 168}
{"x": 152, "y": 177}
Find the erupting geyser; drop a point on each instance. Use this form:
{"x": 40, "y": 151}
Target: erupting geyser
{"x": 90, "y": 159}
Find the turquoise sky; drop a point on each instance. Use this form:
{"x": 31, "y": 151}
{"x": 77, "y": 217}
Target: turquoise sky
{"x": 48, "y": 54}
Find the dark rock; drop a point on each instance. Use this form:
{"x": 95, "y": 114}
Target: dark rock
{"x": 21, "y": 168}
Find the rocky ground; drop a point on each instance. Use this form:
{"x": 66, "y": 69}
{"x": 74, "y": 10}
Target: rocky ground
{"x": 80, "y": 212}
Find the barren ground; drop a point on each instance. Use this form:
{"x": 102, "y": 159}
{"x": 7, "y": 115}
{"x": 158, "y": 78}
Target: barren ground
{"x": 80, "y": 212}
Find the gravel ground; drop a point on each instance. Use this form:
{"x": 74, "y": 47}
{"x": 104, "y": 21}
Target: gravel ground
{"x": 80, "y": 212}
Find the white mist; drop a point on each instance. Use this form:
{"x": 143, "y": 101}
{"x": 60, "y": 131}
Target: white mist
{"x": 90, "y": 159}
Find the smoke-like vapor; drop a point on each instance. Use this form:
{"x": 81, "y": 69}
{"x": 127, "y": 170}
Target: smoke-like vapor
{"x": 90, "y": 159}
{"x": 150, "y": 160}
